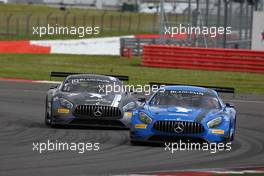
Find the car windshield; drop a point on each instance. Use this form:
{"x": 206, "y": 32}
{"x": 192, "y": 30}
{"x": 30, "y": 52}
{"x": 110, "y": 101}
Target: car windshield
{"x": 186, "y": 99}
{"x": 92, "y": 85}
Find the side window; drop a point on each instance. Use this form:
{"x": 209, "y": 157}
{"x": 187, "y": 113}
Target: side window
{"x": 154, "y": 99}
{"x": 210, "y": 102}
{"x": 66, "y": 86}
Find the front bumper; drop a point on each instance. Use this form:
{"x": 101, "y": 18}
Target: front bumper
{"x": 144, "y": 132}
{"x": 68, "y": 117}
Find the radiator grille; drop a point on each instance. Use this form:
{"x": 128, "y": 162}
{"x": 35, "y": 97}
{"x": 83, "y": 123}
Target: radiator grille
{"x": 97, "y": 111}
{"x": 179, "y": 127}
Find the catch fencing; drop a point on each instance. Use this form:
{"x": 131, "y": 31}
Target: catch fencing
{"x": 18, "y": 24}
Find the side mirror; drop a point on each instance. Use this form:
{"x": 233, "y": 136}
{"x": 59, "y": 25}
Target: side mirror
{"x": 54, "y": 86}
{"x": 230, "y": 105}
{"x": 141, "y": 100}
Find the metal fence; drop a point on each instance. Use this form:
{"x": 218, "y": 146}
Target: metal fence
{"x": 209, "y": 13}
{"x": 219, "y": 13}
{"x": 110, "y": 22}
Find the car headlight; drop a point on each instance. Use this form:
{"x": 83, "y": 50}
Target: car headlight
{"x": 66, "y": 103}
{"x": 215, "y": 122}
{"x": 129, "y": 106}
{"x": 144, "y": 118}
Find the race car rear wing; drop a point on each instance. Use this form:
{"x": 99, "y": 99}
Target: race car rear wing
{"x": 65, "y": 74}
{"x": 217, "y": 89}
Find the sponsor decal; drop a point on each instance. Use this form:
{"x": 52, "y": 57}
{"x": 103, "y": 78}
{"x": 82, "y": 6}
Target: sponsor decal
{"x": 95, "y": 95}
{"x": 181, "y": 109}
{"x": 78, "y": 80}
{"x": 178, "y": 114}
{"x": 73, "y": 94}
{"x": 154, "y": 107}
{"x": 215, "y": 131}
{"x": 141, "y": 126}
{"x": 63, "y": 110}
{"x": 116, "y": 100}
{"x": 99, "y": 98}
{"x": 99, "y": 101}
{"x": 186, "y": 92}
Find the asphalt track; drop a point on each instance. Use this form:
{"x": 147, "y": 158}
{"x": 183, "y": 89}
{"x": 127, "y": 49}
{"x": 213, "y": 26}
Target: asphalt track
{"x": 21, "y": 124}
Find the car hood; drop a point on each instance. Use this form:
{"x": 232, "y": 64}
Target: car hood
{"x": 86, "y": 98}
{"x": 180, "y": 113}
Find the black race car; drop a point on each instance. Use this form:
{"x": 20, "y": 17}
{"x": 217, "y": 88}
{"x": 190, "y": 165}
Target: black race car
{"x": 89, "y": 99}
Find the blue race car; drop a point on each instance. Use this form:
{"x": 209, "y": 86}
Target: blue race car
{"x": 183, "y": 112}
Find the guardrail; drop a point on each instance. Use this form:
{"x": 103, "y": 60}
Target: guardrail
{"x": 203, "y": 58}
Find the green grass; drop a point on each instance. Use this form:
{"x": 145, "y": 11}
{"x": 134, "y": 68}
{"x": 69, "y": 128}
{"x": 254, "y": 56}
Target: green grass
{"x": 38, "y": 67}
{"x": 112, "y": 23}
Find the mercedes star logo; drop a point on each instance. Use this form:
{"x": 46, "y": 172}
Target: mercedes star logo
{"x": 178, "y": 127}
{"x": 97, "y": 111}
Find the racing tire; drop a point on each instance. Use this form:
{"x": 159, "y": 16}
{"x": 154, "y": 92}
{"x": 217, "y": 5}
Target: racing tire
{"x": 230, "y": 137}
{"x": 132, "y": 141}
{"x": 48, "y": 119}
{"x": 233, "y": 135}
